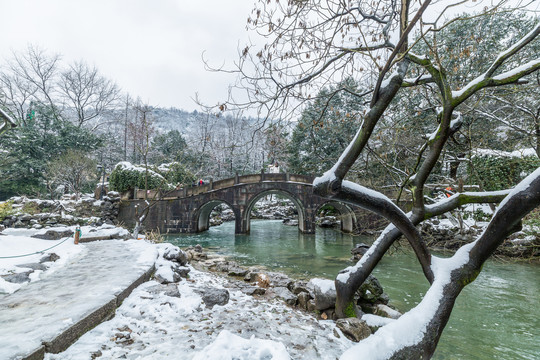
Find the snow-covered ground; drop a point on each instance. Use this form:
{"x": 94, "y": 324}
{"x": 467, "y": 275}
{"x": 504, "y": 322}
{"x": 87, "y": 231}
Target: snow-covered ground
{"x": 152, "y": 325}
{"x": 17, "y": 247}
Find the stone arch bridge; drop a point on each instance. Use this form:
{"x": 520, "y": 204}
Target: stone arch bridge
{"x": 188, "y": 210}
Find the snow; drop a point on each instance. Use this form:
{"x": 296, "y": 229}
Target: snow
{"x": 17, "y": 242}
{"x": 517, "y": 45}
{"x": 85, "y": 282}
{"x": 228, "y": 346}
{"x": 387, "y": 81}
{"x": 470, "y": 85}
{"x": 375, "y": 320}
{"x": 157, "y": 326}
{"x": 324, "y": 285}
{"x": 517, "y": 70}
{"x": 125, "y": 165}
{"x": 162, "y": 327}
{"x": 499, "y": 153}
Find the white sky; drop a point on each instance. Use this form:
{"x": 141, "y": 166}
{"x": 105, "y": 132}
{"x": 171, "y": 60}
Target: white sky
{"x": 151, "y": 48}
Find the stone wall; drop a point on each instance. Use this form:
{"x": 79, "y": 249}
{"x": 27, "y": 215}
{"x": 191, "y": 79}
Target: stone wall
{"x": 35, "y": 213}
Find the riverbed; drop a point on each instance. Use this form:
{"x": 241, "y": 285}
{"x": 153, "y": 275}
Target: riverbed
{"x": 495, "y": 317}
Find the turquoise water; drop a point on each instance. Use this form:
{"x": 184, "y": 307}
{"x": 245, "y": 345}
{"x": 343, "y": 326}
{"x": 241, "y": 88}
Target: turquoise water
{"x": 495, "y": 317}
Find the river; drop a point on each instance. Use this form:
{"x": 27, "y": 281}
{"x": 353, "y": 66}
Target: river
{"x": 495, "y": 317}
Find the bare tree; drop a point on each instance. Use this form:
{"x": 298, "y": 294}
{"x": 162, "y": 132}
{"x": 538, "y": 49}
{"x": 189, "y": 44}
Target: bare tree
{"x": 314, "y": 43}
{"x": 141, "y": 131}
{"x": 88, "y": 93}
{"x": 35, "y": 73}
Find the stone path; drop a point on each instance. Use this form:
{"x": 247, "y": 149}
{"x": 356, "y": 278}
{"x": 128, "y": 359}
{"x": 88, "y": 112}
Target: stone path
{"x": 50, "y": 314}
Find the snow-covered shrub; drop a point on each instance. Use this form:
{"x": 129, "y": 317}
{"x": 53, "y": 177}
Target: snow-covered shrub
{"x": 176, "y": 173}
{"x": 127, "y": 176}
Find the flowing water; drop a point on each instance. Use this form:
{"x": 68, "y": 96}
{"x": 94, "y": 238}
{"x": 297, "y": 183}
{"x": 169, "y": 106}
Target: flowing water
{"x": 495, "y": 317}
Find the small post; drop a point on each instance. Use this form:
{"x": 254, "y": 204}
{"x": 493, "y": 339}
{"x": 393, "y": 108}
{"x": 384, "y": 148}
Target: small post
{"x": 236, "y": 178}
{"x": 77, "y": 234}
{"x": 262, "y": 174}
{"x": 211, "y": 183}
{"x": 287, "y": 177}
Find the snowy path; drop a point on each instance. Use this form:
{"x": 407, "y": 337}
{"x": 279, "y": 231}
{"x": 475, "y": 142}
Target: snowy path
{"x": 55, "y": 311}
{"x": 153, "y": 326}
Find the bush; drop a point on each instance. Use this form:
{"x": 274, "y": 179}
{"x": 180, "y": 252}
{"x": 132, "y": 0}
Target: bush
{"x": 176, "y": 173}
{"x": 126, "y": 176}
{"x": 6, "y": 209}
{"x": 501, "y": 172}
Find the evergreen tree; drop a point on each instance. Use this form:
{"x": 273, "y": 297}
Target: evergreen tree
{"x": 28, "y": 148}
{"x": 325, "y": 128}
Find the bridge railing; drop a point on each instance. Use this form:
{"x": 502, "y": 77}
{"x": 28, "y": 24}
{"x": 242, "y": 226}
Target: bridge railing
{"x": 221, "y": 184}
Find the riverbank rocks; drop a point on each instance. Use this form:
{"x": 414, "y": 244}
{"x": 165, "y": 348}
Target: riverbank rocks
{"x": 213, "y": 296}
{"x": 167, "y": 289}
{"x": 359, "y": 250}
{"x": 195, "y": 253}
{"x": 386, "y": 311}
{"x": 353, "y": 328}
{"x": 316, "y": 296}
{"x": 175, "y": 254}
{"x": 174, "y": 268}
{"x": 285, "y": 294}
{"x": 324, "y": 293}
{"x": 523, "y": 244}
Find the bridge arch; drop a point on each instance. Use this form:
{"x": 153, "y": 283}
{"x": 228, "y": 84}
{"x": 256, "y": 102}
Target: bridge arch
{"x": 188, "y": 210}
{"x": 302, "y": 216}
{"x": 202, "y": 214}
{"x": 347, "y": 215}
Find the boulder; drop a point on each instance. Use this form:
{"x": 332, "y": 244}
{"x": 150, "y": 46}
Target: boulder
{"x": 252, "y": 290}
{"x": 298, "y": 287}
{"x": 174, "y": 253}
{"x": 181, "y": 271}
{"x": 386, "y": 311}
{"x": 370, "y": 291}
{"x": 50, "y": 257}
{"x": 18, "y": 278}
{"x": 53, "y": 234}
{"x": 167, "y": 289}
{"x": 324, "y": 293}
{"x": 237, "y": 271}
{"x": 165, "y": 274}
{"x": 303, "y": 299}
{"x": 285, "y": 294}
{"x": 213, "y": 296}
{"x": 359, "y": 250}
{"x": 278, "y": 279}
{"x": 353, "y": 328}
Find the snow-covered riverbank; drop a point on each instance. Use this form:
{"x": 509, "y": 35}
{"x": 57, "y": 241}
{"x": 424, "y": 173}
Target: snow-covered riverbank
{"x": 156, "y": 323}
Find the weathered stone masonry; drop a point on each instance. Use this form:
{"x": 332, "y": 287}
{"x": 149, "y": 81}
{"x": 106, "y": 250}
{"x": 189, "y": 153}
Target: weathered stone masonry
{"x": 188, "y": 210}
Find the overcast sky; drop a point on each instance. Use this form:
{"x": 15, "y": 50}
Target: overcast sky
{"x": 151, "y": 48}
